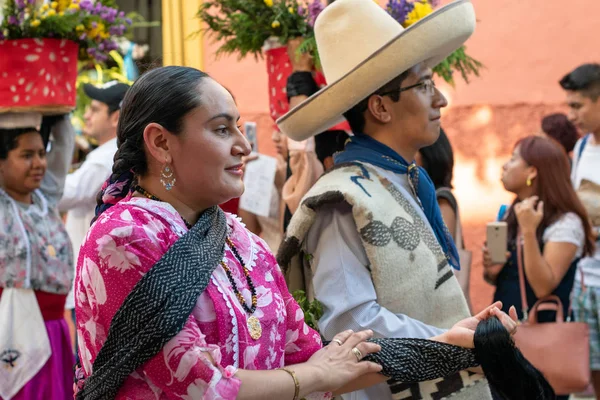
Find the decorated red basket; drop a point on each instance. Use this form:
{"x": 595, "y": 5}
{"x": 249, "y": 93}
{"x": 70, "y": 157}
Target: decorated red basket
{"x": 38, "y": 75}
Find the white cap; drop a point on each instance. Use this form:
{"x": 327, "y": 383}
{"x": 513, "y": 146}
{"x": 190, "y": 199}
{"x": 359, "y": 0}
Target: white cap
{"x": 20, "y": 120}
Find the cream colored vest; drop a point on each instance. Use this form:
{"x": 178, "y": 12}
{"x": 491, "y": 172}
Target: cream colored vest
{"x": 410, "y": 272}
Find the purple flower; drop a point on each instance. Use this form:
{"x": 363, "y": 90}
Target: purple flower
{"x": 434, "y": 3}
{"x": 20, "y": 4}
{"x": 12, "y": 20}
{"x": 314, "y": 9}
{"x": 83, "y": 36}
{"x": 2, "y": 37}
{"x": 91, "y": 51}
{"x": 31, "y": 2}
{"x": 128, "y": 21}
{"x": 301, "y": 10}
{"x": 94, "y": 24}
{"x": 110, "y": 45}
{"x": 86, "y": 5}
{"x": 122, "y": 14}
{"x": 399, "y": 9}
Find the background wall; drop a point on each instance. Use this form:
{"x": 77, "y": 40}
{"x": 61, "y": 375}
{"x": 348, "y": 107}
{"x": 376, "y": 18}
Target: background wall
{"x": 526, "y": 46}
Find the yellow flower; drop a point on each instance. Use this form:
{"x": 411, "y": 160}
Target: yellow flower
{"x": 275, "y": 24}
{"x": 53, "y": 5}
{"x": 269, "y": 3}
{"x": 421, "y": 10}
{"x": 45, "y": 7}
{"x": 291, "y": 10}
{"x": 51, "y": 13}
{"x": 99, "y": 30}
{"x": 80, "y": 28}
{"x": 74, "y": 6}
{"x": 62, "y": 13}
{"x": 35, "y": 23}
{"x": 63, "y": 4}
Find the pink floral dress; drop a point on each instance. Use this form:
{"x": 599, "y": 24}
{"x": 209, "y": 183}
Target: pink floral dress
{"x": 125, "y": 242}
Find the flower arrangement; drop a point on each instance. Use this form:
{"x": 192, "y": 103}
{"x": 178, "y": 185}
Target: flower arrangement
{"x": 93, "y": 25}
{"x": 245, "y": 25}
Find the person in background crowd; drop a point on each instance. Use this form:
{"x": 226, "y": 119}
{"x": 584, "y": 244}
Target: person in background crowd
{"x": 551, "y": 221}
{"x": 36, "y": 257}
{"x": 303, "y": 159}
{"x": 82, "y": 185}
{"x": 438, "y": 161}
{"x": 558, "y": 127}
{"x": 270, "y": 228}
{"x": 582, "y": 89}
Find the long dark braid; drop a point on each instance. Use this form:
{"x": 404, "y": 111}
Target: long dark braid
{"x": 163, "y": 96}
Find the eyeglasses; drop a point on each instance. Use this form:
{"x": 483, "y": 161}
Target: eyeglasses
{"x": 428, "y": 86}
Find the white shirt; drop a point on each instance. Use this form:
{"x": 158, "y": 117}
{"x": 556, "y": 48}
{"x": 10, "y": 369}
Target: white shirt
{"x": 79, "y": 196}
{"x": 343, "y": 284}
{"x": 588, "y": 167}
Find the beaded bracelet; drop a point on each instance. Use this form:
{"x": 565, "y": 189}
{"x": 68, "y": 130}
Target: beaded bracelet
{"x": 296, "y": 383}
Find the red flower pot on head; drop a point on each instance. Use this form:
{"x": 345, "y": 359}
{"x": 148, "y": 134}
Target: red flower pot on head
{"x": 38, "y": 75}
{"x": 279, "y": 68}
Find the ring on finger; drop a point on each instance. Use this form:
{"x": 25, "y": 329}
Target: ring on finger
{"x": 357, "y": 353}
{"x": 338, "y": 341}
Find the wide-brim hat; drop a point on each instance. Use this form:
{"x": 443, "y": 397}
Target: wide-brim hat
{"x": 362, "y": 48}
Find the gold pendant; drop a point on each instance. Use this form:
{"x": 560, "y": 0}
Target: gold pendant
{"x": 51, "y": 251}
{"x": 254, "y": 327}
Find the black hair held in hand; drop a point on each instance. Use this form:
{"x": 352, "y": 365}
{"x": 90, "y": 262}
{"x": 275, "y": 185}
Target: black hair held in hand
{"x": 506, "y": 369}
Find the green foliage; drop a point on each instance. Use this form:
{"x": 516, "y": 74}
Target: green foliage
{"x": 458, "y": 61}
{"x": 244, "y": 25}
{"x": 313, "y": 310}
{"x": 92, "y": 27}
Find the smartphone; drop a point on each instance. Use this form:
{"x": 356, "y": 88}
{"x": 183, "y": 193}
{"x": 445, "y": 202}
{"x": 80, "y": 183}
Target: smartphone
{"x": 497, "y": 237}
{"x": 251, "y": 135}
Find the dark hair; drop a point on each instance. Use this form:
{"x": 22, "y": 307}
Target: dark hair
{"x": 163, "y": 96}
{"x": 438, "y": 161}
{"x": 356, "y": 115}
{"x": 585, "y": 79}
{"x": 9, "y": 139}
{"x": 558, "y": 127}
{"x": 329, "y": 142}
{"x": 507, "y": 370}
{"x": 552, "y": 185}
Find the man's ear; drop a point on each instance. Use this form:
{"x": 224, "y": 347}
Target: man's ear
{"x": 379, "y": 109}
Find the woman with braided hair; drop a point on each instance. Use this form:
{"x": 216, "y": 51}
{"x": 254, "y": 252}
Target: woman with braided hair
{"x": 176, "y": 299}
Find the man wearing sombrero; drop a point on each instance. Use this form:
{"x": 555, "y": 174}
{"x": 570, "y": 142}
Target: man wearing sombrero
{"x": 373, "y": 246}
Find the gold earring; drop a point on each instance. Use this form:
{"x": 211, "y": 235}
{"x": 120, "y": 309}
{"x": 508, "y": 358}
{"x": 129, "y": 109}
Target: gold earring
{"x": 529, "y": 182}
{"x": 167, "y": 177}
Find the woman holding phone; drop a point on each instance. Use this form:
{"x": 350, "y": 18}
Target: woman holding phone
{"x": 550, "y": 221}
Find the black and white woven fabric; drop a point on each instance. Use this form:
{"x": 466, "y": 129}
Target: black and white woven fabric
{"x": 418, "y": 360}
{"x": 159, "y": 305}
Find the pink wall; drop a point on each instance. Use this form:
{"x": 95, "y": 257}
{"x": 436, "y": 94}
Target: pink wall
{"x": 526, "y": 46}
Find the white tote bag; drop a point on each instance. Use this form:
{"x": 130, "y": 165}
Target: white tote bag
{"x": 24, "y": 344}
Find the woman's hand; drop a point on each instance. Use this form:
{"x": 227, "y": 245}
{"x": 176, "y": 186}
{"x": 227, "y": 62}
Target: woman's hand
{"x": 463, "y": 332}
{"x": 491, "y": 270}
{"x": 338, "y": 364}
{"x": 529, "y": 215}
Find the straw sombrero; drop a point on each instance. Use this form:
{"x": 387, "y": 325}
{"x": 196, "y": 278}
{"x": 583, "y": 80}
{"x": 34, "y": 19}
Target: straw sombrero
{"x": 362, "y": 48}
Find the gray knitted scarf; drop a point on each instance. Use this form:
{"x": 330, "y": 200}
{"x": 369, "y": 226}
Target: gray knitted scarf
{"x": 158, "y": 306}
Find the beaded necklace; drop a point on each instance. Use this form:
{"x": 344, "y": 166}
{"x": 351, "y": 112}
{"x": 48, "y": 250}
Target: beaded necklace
{"x": 253, "y": 323}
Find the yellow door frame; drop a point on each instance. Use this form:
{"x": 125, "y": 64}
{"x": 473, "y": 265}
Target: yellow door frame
{"x": 183, "y": 42}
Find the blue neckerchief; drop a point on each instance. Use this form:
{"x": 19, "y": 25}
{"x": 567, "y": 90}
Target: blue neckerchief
{"x": 363, "y": 148}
